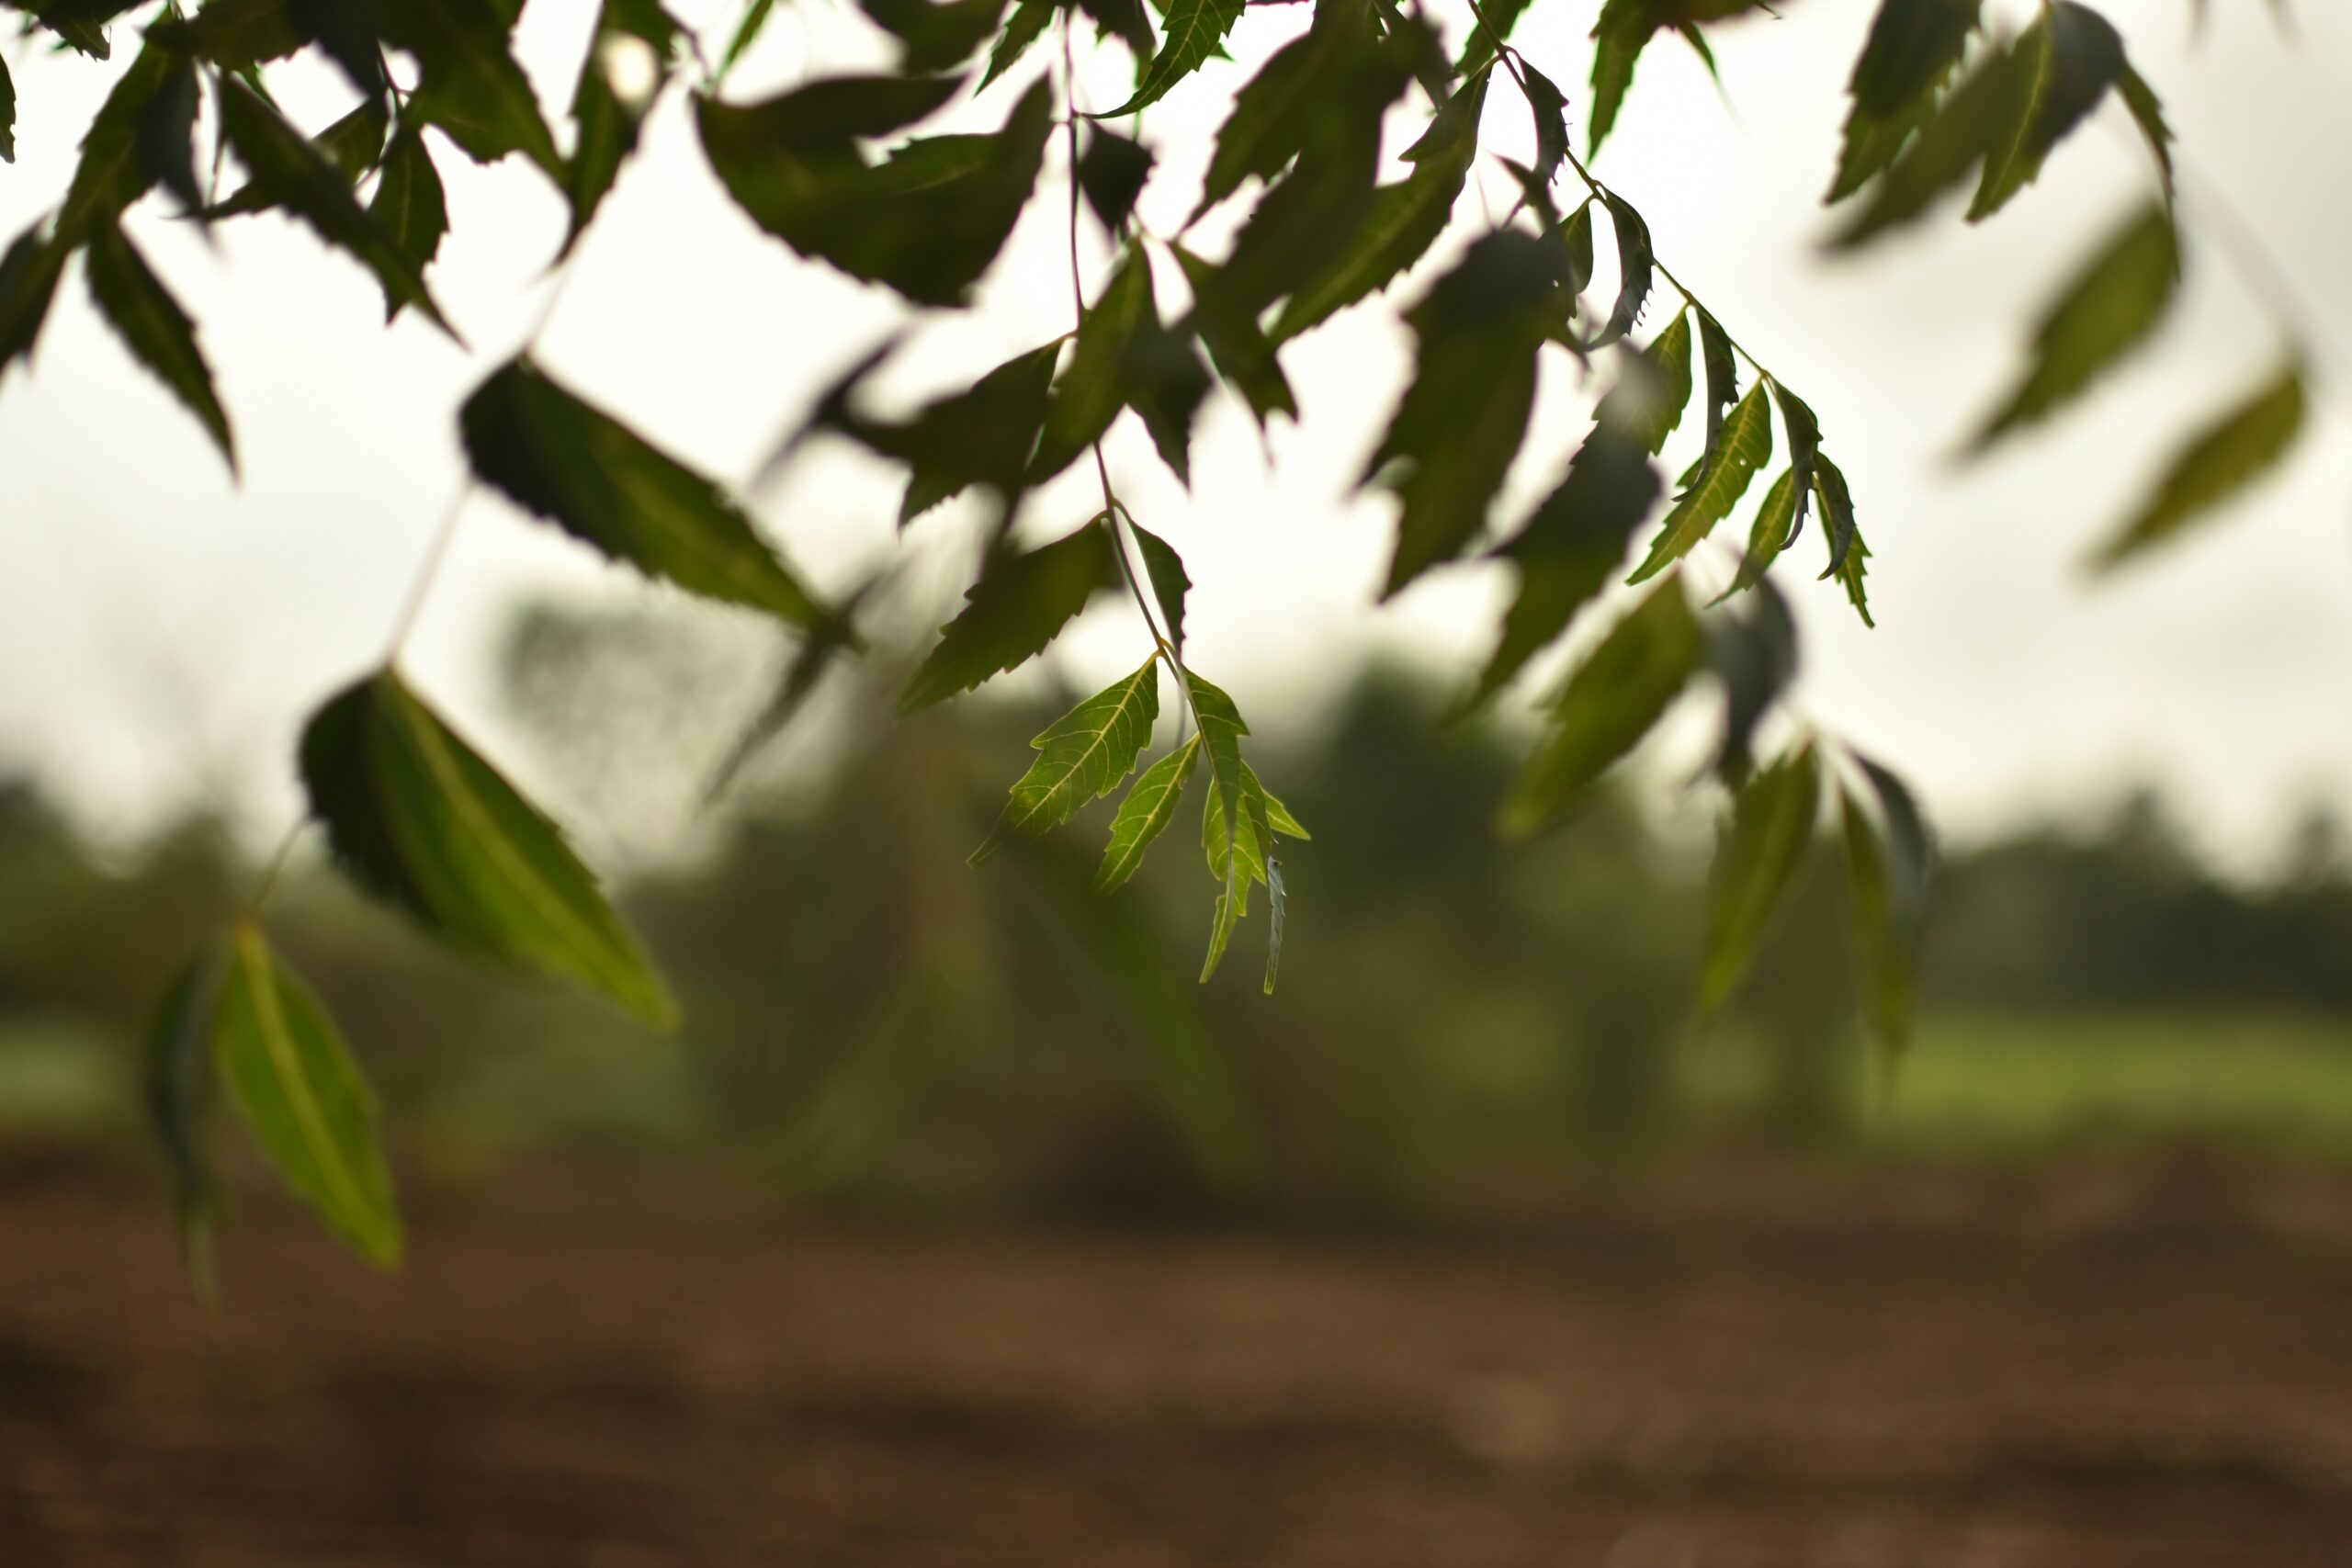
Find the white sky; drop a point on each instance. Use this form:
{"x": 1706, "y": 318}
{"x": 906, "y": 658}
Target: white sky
{"x": 163, "y": 630}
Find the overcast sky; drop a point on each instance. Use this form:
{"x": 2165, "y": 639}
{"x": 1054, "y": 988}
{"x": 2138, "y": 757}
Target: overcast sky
{"x": 164, "y": 630}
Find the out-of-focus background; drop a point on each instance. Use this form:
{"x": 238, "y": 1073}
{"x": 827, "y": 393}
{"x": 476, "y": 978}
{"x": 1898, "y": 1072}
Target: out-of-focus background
{"x": 959, "y": 1226}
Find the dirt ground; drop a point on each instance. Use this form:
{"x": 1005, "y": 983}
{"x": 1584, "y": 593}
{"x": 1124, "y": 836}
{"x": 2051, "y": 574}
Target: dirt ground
{"x": 618, "y": 1369}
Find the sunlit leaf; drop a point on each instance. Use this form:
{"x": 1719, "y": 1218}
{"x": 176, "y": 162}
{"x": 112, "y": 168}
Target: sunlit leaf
{"x": 1771, "y": 826}
{"x": 1745, "y": 446}
{"x": 1666, "y": 391}
{"x": 157, "y": 332}
{"x": 2107, "y": 311}
{"x": 111, "y": 174}
{"x": 287, "y": 1069}
{"x": 352, "y": 144}
{"x": 1083, "y": 756}
{"x": 1020, "y": 603}
{"x": 1149, "y": 807}
{"x": 417, "y": 816}
{"x": 1193, "y": 31}
{"x": 558, "y": 458}
{"x": 1773, "y": 531}
{"x": 2223, "y": 460}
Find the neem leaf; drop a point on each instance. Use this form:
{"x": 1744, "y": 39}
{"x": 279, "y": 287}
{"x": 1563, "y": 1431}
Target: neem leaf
{"x": 29, "y": 276}
{"x": 175, "y": 1083}
{"x": 410, "y": 204}
{"x": 153, "y": 327}
{"x": 1020, "y": 603}
{"x": 1570, "y": 549}
{"x": 560, "y": 458}
{"x": 1169, "y": 582}
{"x": 607, "y": 125}
{"x": 2223, "y": 459}
{"x": 1753, "y": 655}
{"x": 420, "y": 818}
{"x": 1636, "y": 269}
{"x": 1266, "y": 124}
{"x": 2148, "y": 113}
{"x": 977, "y": 437}
{"x": 1624, "y": 30}
{"x": 468, "y": 82}
{"x": 1550, "y": 108}
{"x": 1239, "y": 349}
{"x": 1149, "y": 807}
{"x": 1723, "y": 375}
{"x": 935, "y": 37}
{"x": 1088, "y": 396}
{"x": 290, "y": 173}
{"x": 351, "y": 144}
{"x": 1021, "y": 30}
{"x": 7, "y": 115}
{"x": 2064, "y": 63}
{"x": 1745, "y": 446}
{"x": 289, "y": 1072}
{"x": 1804, "y": 451}
{"x": 1166, "y": 383}
{"x": 1914, "y": 47}
{"x": 1192, "y": 30}
{"x": 1606, "y": 707}
{"x": 111, "y": 174}
{"x": 1112, "y": 172}
{"x": 1082, "y": 757}
{"x": 1221, "y": 729}
{"x": 1965, "y": 126}
{"x": 1667, "y": 392}
{"x": 2106, "y": 311}
{"x": 1772, "y": 823}
{"x": 1890, "y": 862}
{"x": 1774, "y": 530}
{"x": 928, "y": 220}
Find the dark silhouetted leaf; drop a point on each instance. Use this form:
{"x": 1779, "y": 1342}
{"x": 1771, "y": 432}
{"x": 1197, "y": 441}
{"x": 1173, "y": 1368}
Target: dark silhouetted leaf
{"x": 175, "y": 1083}
{"x": 978, "y": 437}
{"x": 1753, "y": 652}
{"x": 1889, "y": 864}
{"x": 289, "y": 1072}
{"x": 1635, "y": 270}
{"x": 1169, "y": 582}
{"x": 1624, "y": 30}
{"x": 468, "y": 82}
{"x": 1090, "y": 392}
{"x": 1023, "y": 28}
{"x": 351, "y": 144}
{"x": 1166, "y": 383}
{"x": 607, "y": 125}
{"x": 1082, "y": 757}
{"x": 1746, "y": 447}
{"x": 1804, "y": 451}
{"x": 1112, "y": 172}
{"x": 165, "y": 142}
{"x": 410, "y": 204}
{"x": 1021, "y": 603}
{"x": 419, "y": 817}
{"x": 1771, "y": 826}
{"x": 936, "y": 37}
{"x": 1193, "y": 31}
{"x": 747, "y": 33}
{"x": 557, "y": 456}
{"x": 157, "y": 332}
{"x": 111, "y": 174}
{"x": 1550, "y": 108}
{"x": 1665, "y": 392}
{"x": 2223, "y": 460}
{"x": 1914, "y": 48}
{"x": 1965, "y": 126}
{"x": 1607, "y": 705}
{"x": 2111, "y": 307}
{"x": 7, "y": 115}
{"x": 1149, "y": 807}
{"x": 28, "y": 274}
{"x": 1240, "y": 352}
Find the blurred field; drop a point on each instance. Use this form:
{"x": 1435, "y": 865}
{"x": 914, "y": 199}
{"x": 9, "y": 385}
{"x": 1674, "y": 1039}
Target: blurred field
{"x": 2140, "y": 1364}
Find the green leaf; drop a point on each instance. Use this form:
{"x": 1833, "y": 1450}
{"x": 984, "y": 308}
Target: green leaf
{"x": 2109, "y": 308}
{"x": 2065, "y": 63}
{"x": 1889, "y": 864}
{"x": 1123, "y": 20}
{"x": 1165, "y": 384}
{"x": 236, "y": 35}
{"x": 7, "y": 115}
{"x": 288, "y": 1071}
{"x": 1775, "y": 530}
{"x": 1572, "y": 546}
{"x": 1220, "y": 729}
{"x": 1083, "y": 756}
{"x": 1846, "y": 551}
{"x": 1090, "y": 392}
{"x": 468, "y": 82}
{"x": 1753, "y": 652}
{"x": 747, "y": 33}
{"x": 111, "y": 174}
{"x": 1636, "y": 269}
{"x": 1622, "y": 31}
{"x": 1023, "y": 28}
{"x": 1112, "y": 172}
{"x": 352, "y": 144}
{"x": 607, "y": 126}
{"x": 1239, "y": 349}
{"x": 1804, "y": 451}
{"x": 1149, "y": 807}
{"x": 420, "y": 818}
{"x": 1771, "y": 826}
{"x": 1277, "y": 900}
{"x": 1550, "y": 108}
{"x": 1269, "y": 120}
{"x": 1606, "y": 707}
{"x": 928, "y": 220}
{"x": 1966, "y": 124}
{"x": 2148, "y": 113}
{"x": 1746, "y": 447}
{"x": 28, "y": 278}
{"x": 289, "y": 172}
{"x": 1246, "y": 857}
{"x": 164, "y": 143}
{"x": 157, "y": 332}
{"x": 1722, "y": 376}
{"x": 1193, "y": 31}
{"x": 1020, "y": 603}
{"x": 982, "y": 436}
{"x": 2225, "y": 458}
{"x": 936, "y": 37}
{"x": 175, "y": 1081}
{"x": 1461, "y": 421}
{"x": 1169, "y": 582}
{"x": 561, "y": 460}
{"x": 1914, "y": 48}
{"x": 1666, "y": 391}
{"x": 410, "y": 204}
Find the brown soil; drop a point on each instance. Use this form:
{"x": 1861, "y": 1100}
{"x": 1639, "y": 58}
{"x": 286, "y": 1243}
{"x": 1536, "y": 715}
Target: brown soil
{"x": 621, "y": 1370}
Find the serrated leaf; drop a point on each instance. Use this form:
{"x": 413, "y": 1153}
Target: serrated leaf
{"x": 28, "y": 278}
{"x": 1889, "y": 864}
{"x": 468, "y": 82}
{"x": 1837, "y": 516}
{"x": 607, "y": 125}
{"x": 1912, "y": 49}
{"x": 747, "y": 33}
{"x": 1722, "y": 376}
{"x": 1550, "y": 108}
{"x": 1021, "y": 30}
{"x": 1083, "y": 756}
{"x": 2225, "y": 458}
{"x": 1773, "y": 531}
{"x": 1112, "y": 172}
{"x": 1149, "y": 807}
{"x": 1575, "y": 237}
{"x": 352, "y": 144}
{"x": 419, "y": 817}
{"x": 1123, "y": 20}
{"x": 1667, "y": 392}
{"x": 1622, "y": 31}
{"x": 1089, "y": 393}
{"x": 560, "y": 458}
{"x": 1606, "y": 706}
{"x": 928, "y": 220}
{"x": 2066, "y": 61}
{"x": 936, "y": 37}
{"x": 1267, "y": 125}
{"x": 1572, "y": 546}
{"x": 1170, "y": 583}
{"x": 982, "y": 436}
{"x": 165, "y": 142}
{"x": 1461, "y": 419}
{"x": 2108, "y": 310}
{"x": 1966, "y": 124}
{"x": 2148, "y": 113}
{"x": 1636, "y": 270}
{"x": 288, "y": 1070}
{"x": 157, "y": 332}
{"x": 289, "y": 172}
{"x": 1804, "y": 451}
{"x": 111, "y": 174}
{"x": 1191, "y": 32}
{"x": 1020, "y": 603}
{"x": 1166, "y": 383}
{"x": 409, "y": 203}
{"x": 1771, "y": 826}
{"x": 1239, "y": 350}
{"x": 176, "y": 1083}
{"x": 1730, "y": 468}
{"x": 235, "y": 35}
